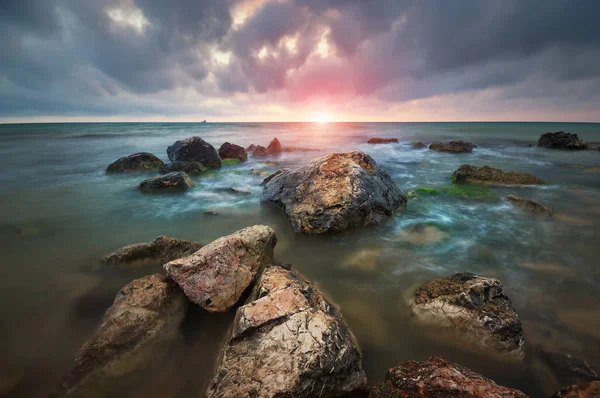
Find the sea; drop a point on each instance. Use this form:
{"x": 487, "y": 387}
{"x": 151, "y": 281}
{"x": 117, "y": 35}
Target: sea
{"x": 60, "y": 213}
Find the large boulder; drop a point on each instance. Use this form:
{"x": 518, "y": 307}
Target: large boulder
{"x": 335, "y": 193}
{"x": 491, "y": 176}
{"x": 376, "y": 140}
{"x": 186, "y": 167}
{"x": 216, "y": 276}
{"x": 274, "y": 147}
{"x": 176, "y": 181}
{"x": 561, "y": 140}
{"x": 288, "y": 340}
{"x": 453, "y": 147}
{"x": 136, "y": 162}
{"x": 194, "y": 149}
{"x": 585, "y": 390}
{"x": 529, "y": 205}
{"x": 476, "y": 309}
{"x": 162, "y": 249}
{"x": 438, "y": 378}
{"x": 232, "y": 151}
{"x": 137, "y": 332}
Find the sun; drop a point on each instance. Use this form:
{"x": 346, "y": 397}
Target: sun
{"x": 322, "y": 118}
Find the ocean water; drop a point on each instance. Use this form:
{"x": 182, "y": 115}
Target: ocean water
{"x": 60, "y": 213}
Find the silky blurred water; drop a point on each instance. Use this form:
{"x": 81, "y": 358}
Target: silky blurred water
{"x": 60, "y": 213}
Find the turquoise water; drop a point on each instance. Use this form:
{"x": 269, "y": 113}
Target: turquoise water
{"x": 60, "y": 213}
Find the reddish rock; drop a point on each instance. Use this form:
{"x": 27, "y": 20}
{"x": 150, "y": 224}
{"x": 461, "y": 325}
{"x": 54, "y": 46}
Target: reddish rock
{"x": 274, "y": 147}
{"x": 375, "y": 140}
{"x": 585, "y": 390}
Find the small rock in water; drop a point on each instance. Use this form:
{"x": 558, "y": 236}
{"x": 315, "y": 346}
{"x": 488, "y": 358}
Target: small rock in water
{"x": 256, "y": 172}
{"x": 288, "y": 340}
{"x": 474, "y": 307}
{"x": 418, "y": 145}
{"x": 271, "y": 163}
{"x": 585, "y": 390}
{"x": 423, "y": 234}
{"x": 489, "y": 175}
{"x": 363, "y": 259}
{"x": 162, "y": 249}
{"x": 233, "y": 191}
{"x": 530, "y": 205}
{"x": 232, "y": 151}
{"x": 561, "y": 140}
{"x": 194, "y": 149}
{"x": 274, "y": 147}
{"x": 260, "y": 152}
{"x": 186, "y": 167}
{"x": 438, "y": 377}
{"x": 453, "y": 147}
{"x": 375, "y": 140}
{"x": 176, "y": 181}
{"x": 136, "y": 162}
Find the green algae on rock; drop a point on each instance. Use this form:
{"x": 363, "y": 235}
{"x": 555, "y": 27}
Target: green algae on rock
{"x": 230, "y": 161}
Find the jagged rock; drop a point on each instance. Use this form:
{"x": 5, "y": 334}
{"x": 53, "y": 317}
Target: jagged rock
{"x": 561, "y": 140}
{"x": 375, "y": 140}
{"x": 137, "y": 331}
{"x": 567, "y": 369}
{"x": 438, "y": 378}
{"x": 453, "y": 147}
{"x": 260, "y": 151}
{"x": 216, "y": 276}
{"x": 275, "y": 174}
{"x": 334, "y": 193}
{"x": 476, "y": 308}
{"x": 288, "y": 340}
{"x": 274, "y": 147}
{"x": 135, "y": 162}
{"x": 162, "y": 249}
{"x": 418, "y": 145}
{"x": 176, "y": 181}
{"x": 251, "y": 148}
{"x": 530, "y": 205}
{"x": 194, "y": 149}
{"x": 186, "y": 167}
{"x": 232, "y": 151}
{"x": 489, "y": 175}
{"x": 585, "y": 390}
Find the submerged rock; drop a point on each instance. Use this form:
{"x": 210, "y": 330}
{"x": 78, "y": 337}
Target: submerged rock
{"x": 137, "y": 330}
{"x": 274, "y": 147}
{"x": 491, "y": 176}
{"x": 476, "y": 308}
{"x": 418, "y": 145}
{"x": 162, "y": 249}
{"x": 561, "y": 140}
{"x": 334, "y": 193}
{"x": 453, "y": 147}
{"x": 568, "y": 369}
{"x": 288, "y": 340}
{"x": 216, "y": 276}
{"x": 423, "y": 234}
{"x": 176, "y": 181}
{"x": 232, "y": 151}
{"x": 135, "y": 162}
{"x": 256, "y": 172}
{"x": 438, "y": 378}
{"x": 375, "y": 140}
{"x": 260, "y": 152}
{"x": 275, "y": 174}
{"x": 186, "y": 167}
{"x": 233, "y": 191}
{"x": 194, "y": 149}
{"x": 529, "y": 205}
{"x": 585, "y": 390}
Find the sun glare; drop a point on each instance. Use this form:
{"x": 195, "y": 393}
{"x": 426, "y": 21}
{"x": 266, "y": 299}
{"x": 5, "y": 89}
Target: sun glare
{"x": 322, "y": 118}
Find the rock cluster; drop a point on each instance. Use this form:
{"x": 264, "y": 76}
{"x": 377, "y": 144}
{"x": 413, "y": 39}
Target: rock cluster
{"x": 561, "y": 140}
{"x": 453, "y": 147}
{"x": 161, "y": 249}
{"x": 136, "y": 162}
{"x": 489, "y": 175}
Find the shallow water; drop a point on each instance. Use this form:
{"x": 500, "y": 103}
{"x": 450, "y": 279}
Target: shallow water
{"x": 60, "y": 213}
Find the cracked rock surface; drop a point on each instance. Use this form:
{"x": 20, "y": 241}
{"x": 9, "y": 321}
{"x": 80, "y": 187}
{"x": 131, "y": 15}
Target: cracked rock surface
{"x": 215, "y": 276}
{"x": 334, "y": 193}
{"x": 476, "y": 308}
{"x": 288, "y": 340}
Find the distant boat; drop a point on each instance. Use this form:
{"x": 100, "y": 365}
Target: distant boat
{"x": 204, "y": 121}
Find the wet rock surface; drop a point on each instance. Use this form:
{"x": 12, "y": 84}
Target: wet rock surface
{"x": 194, "y": 149}
{"x": 288, "y": 340}
{"x": 561, "y": 140}
{"x": 375, "y": 140}
{"x": 274, "y": 147}
{"x": 232, "y": 151}
{"x": 216, "y": 276}
{"x": 489, "y": 175}
{"x": 453, "y": 147}
{"x": 333, "y": 193}
{"x": 186, "y": 167}
{"x": 137, "y": 330}
{"x": 438, "y": 378}
{"x": 418, "y": 145}
{"x": 584, "y": 390}
{"x": 136, "y": 162}
{"x": 275, "y": 174}
{"x": 162, "y": 249}
{"x": 176, "y": 181}
{"x": 529, "y": 205}
{"x": 476, "y": 309}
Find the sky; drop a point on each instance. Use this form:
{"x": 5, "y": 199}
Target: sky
{"x": 299, "y": 60}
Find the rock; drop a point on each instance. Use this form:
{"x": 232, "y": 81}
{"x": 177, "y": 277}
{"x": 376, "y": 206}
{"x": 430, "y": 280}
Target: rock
{"x": 162, "y": 249}
{"x": 233, "y": 191}
{"x": 382, "y": 140}
{"x": 275, "y": 174}
{"x": 476, "y": 308}
{"x": 492, "y": 176}
{"x": 334, "y": 193}
{"x": 251, "y": 148}
{"x": 423, "y": 234}
{"x": 585, "y": 390}
{"x": 216, "y": 276}
{"x": 176, "y": 181}
{"x": 418, "y": 145}
{"x": 260, "y": 152}
{"x": 530, "y": 205}
{"x": 194, "y": 149}
{"x": 136, "y": 162}
{"x": 568, "y": 369}
{"x": 271, "y": 163}
{"x": 298, "y": 149}
{"x": 288, "y": 340}
{"x": 255, "y": 172}
{"x": 453, "y": 147}
{"x": 438, "y": 378}
{"x": 137, "y": 330}
{"x": 186, "y": 167}
{"x": 274, "y": 147}
{"x": 561, "y": 140}
{"x": 232, "y": 151}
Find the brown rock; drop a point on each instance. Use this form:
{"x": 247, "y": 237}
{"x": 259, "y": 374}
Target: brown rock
{"x": 453, "y": 147}
{"x": 162, "y": 249}
{"x": 375, "y": 140}
{"x": 137, "y": 162}
{"x": 529, "y": 205}
{"x": 176, "y": 181}
{"x": 274, "y": 147}
{"x": 251, "y": 148}
{"x": 232, "y": 151}
{"x": 491, "y": 176}
{"x": 418, "y": 145}
{"x": 585, "y": 390}
{"x": 260, "y": 152}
